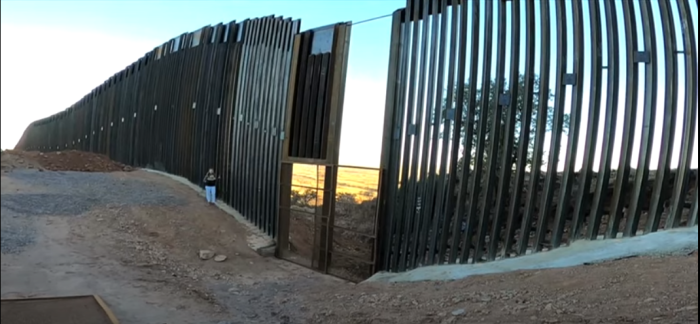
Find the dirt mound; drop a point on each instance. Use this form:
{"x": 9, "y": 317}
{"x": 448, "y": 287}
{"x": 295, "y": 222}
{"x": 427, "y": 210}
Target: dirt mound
{"x": 636, "y": 290}
{"x": 60, "y": 161}
{"x": 11, "y": 161}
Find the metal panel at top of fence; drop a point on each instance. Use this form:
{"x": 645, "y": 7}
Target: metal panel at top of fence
{"x": 215, "y": 98}
{"x": 315, "y": 102}
{"x": 515, "y": 127}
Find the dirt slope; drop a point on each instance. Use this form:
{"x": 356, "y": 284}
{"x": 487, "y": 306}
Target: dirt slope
{"x": 60, "y": 161}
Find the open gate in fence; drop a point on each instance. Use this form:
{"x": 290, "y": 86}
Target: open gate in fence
{"x": 309, "y": 229}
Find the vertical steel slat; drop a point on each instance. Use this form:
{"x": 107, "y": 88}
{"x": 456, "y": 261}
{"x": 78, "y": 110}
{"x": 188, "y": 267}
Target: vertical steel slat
{"x": 397, "y": 146}
{"x": 475, "y": 185}
{"x": 167, "y": 120}
{"x": 595, "y": 99}
{"x": 690, "y": 114}
{"x": 268, "y": 127}
{"x": 339, "y": 60}
{"x": 230, "y": 117}
{"x": 290, "y": 66}
{"x": 315, "y": 107}
{"x": 306, "y": 107}
{"x": 192, "y": 171}
{"x": 506, "y": 165}
{"x": 256, "y": 101}
{"x": 178, "y": 116}
{"x": 526, "y": 123}
{"x": 395, "y": 162}
{"x": 542, "y": 110}
{"x": 422, "y": 130}
{"x": 283, "y": 64}
{"x": 245, "y": 123}
{"x": 468, "y": 137}
{"x": 448, "y": 215}
{"x": 237, "y": 111}
{"x": 496, "y": 114}
{"x": 438, "y": 38}
{"x": 408, "y": 73}
{"x": 270, "y": 171}
{"x": 224, "y": 49}
{"x": 254, "y": 128}
{"x": 301, "y": 81}
{"x": 630, "y": 120}
{"x": 409, "y": 156}
{"x": 572, "y": 147}
{"x": 603, "y": 177}
{"x": 448, "y": 121}
{"x": 659, "y": 193}
{"x": 135, "y": 117}
{"x": 321, "y": 113}
{"x": 191, "y": 110}
{"x": 154, "y": 77}
{"x": 261, "y": 106}
{"x": 207, "y": 151}
{"x": 200, "y": 151}
{"x": 109, "y": 120}
{"x": 215, "y": 103}
{"x": 555, "y": 142}
{"x": 232, "y": 121}
{"x": 327, "y": 113}
{"x": 391, "y": 110}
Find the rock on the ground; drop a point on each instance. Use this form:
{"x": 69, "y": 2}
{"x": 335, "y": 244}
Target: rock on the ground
{"x": 220, "y": 258}
{"x": 206, "y": 254}
{"x": 459, "y": 312}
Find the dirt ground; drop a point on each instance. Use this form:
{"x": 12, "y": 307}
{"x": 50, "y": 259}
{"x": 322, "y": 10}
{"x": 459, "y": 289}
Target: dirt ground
{"x": 60, "y": 161}
{"x": 143, "y": 260}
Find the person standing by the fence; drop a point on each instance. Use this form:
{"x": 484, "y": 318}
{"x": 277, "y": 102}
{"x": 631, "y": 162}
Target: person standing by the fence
{"x": 210, "y": 185}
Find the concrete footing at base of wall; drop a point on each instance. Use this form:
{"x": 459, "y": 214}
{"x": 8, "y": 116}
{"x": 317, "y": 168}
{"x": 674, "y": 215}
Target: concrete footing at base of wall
{"x": 257, "y": 240}
{"x": 663, "y": 243}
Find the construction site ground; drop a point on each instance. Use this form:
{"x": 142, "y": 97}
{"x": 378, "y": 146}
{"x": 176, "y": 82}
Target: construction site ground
{"x": 134, "y": 237}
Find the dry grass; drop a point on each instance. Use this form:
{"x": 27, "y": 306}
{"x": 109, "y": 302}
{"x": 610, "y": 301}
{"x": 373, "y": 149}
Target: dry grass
{"x": 361, "y": 183}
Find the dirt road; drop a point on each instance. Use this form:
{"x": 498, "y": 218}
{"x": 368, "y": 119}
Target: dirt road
{"x": 133, "y": 238}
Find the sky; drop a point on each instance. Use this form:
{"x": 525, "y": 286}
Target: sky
{"x": 61, "y": 50}
{"x": 66, "y": 48}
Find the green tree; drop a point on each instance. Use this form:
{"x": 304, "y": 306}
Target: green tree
{"x": 520, "y": 105}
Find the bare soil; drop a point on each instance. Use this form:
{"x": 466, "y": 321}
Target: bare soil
{"x": 61, "y": 161}
{"x": 144, "y": 262}
{"x": 638, "y": 290}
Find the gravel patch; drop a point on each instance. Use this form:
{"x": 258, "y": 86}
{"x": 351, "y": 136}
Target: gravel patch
{"x": 17, "y": 232}
{"x": 46, "y": 204}
{"x": 100, "y": 188}
{"x": 71, "y": 194}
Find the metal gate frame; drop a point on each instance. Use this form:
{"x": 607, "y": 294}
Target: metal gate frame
{"x": 314, "y": 144}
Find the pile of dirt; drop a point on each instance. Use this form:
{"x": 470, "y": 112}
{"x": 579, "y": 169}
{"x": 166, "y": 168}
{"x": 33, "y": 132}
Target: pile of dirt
{"x": 636, "y": 290}
{"x": 60, "y": 161}
{"x": 11, "y": 161}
